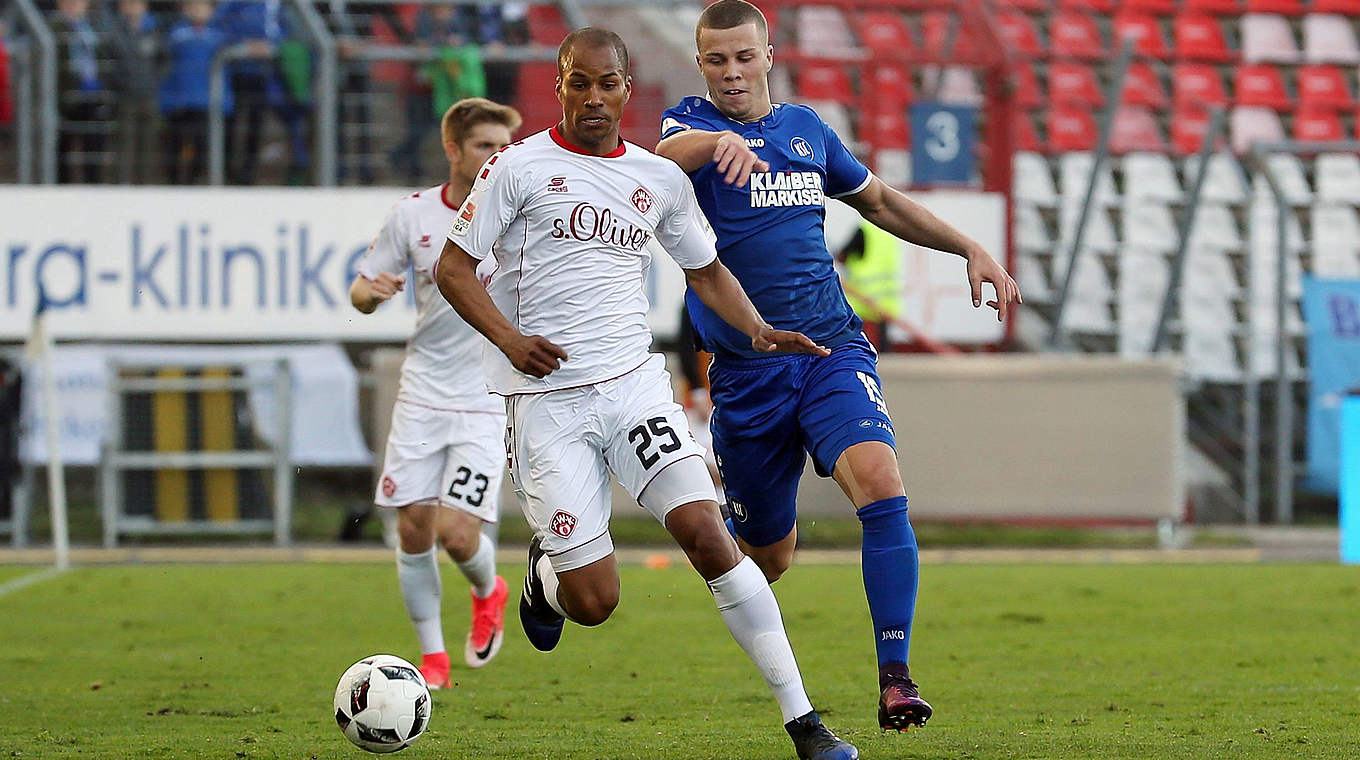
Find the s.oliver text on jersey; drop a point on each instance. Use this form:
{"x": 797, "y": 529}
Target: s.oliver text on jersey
{"x": 586, "y": 222}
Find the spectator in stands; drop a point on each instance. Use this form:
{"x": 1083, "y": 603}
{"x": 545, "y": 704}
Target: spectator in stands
{"x": 260, "y": 85}
{"x": 82, "y": 100}
{"x": 190, "y": 47}
{"x": 135, "y": 35}
{"x": 458, "y": 73}
{"x": 353, "y": 24}
{"x": 870, "y": 266}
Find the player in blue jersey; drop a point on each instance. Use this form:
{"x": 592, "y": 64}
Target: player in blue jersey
{"x": 761, "y": 172}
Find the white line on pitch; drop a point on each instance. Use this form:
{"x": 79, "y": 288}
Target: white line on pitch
{"x": 24, "y": 581}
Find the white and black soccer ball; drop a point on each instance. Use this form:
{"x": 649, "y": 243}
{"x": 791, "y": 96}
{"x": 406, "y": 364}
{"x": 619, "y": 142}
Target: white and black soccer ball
{"x": 382, "y": 703}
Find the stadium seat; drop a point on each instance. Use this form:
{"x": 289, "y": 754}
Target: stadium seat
{"x": 1070, "y": 128}
{"x": 1089, "y": 6}
{"x": 1260, "y": 84}
{"x": 822, "y": 29}
{"x": 1288, "y": 171}
{"x": 1215, "y": 228}
{"x": 1318, "y": 125}
{"x": 958, "y": 85}
{"x": 1143, "y": 280}
{"x": 1200, "y": 38}
{"x": 1075, "y": 35}
{"x": 1032, "y": 182}
{"x": 1338, "y": 177}
{"x": 1224, "y": 181}
{"x": 1153, "y": 7}
{"x": 1099, "y": 233}
{"x": 1135, "y": 128}
{"x": 1328, "y": 38}
{"x": 893, "y": 166}
{"x": 1145, "y": 31}
{"x": 1027, "y": 5}
{"x": 1019, "y": 33}
{"x": 886, "y": 127}
{"x": 1209, "y": 275}
{"x": 1088, "y": 307}
{"x": 1344, "y": 7}
{"x": 1071, "y": 83}
{"x": 546, "y": 25}
{"x": 1266, "y": 38}
{"x": 1074, "y": 172}
{"x": 1217, "y": 7}
{"x": 1149, "y": 225}
{"x": 1189, "y": 124}
{"x": 1032, "y": 276}
{"x": 1031, "y": 235}
{"x": 1336, "y": 241}
{"x": 1024, "y": 136}
{"x": 891, "y": 84}
{"x": 1198, "y": 85}
{"x": 1209, "y": 353}
{"x": 1026, "y": 90}
{"x": 824, "y": 81}
{"x": 885, "y": 32}
{"x": 937, "y": 32}
{"x": 1150, "y": 176}
{"x": 1251, "y": 124}
{"x": 1323, "y": 87}
{"x": 1282, "y": 7}
{"x": 837, "y": 116}
{"x": 1143, "y": 86}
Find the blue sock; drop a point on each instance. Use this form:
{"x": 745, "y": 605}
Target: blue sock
{"x": 891, "y": 568}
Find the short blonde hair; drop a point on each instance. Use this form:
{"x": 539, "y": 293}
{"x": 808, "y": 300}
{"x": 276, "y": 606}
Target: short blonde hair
{"x": 469, "y": 112}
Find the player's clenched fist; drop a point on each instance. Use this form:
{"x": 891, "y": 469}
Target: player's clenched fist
{"x": 386, "y": 285}
{"x": 534, "y": 354}
{"x": 787, "y": 341}
{"x": 736, "y": 160}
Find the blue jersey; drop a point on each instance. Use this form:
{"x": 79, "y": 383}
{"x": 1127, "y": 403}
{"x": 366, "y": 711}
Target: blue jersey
{"x": 771, "y": 232}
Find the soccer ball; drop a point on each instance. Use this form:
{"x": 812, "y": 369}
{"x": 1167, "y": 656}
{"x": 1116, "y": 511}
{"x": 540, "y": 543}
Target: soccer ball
{"x": 382, "y": 703}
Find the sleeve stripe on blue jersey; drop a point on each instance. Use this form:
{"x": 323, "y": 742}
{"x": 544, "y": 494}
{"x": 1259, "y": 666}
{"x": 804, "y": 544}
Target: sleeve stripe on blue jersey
{"x": 868, "y": 177}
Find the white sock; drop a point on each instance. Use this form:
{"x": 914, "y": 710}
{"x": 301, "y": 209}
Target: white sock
{"x": 421, "y": 589}
{"x": 752, "y": 615}
{"x": 480, "y": 568}
{"x": 550, "y": 585}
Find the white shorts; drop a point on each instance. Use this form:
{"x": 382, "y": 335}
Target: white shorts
{"x": 455, "y": 457}
{"x": 563, "y": 445}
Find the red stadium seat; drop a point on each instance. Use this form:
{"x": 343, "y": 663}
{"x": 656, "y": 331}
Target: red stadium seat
{"x": 1027, "y": 92}
{"x": 1323, "y": 87}
{"x": 891, "y": 84}
{"x": 1189, "y": 123}
{"x": 1143, "y": 87}
{"x": 1074, "y": 84}
{"x": 1024, "y": 136}
{"x": 824, "y": 81}
{"x": 1218, "y": 7}
{"x": 1344, "y": 7}
{"x": 1145, "y": 31}
{"x": 1198, "y": 84}
{"x": 1200, "y": 38}
{"x": 1092, "y": 6}
{"x": 943, "y": 35}
{"x": 885, "y": 32}
{"x": 887, "y": 128}
{"x": 1071, "y": 128}
{"x": 1318, "y": 125}
{"x": 546, "y": 26}
{"x": 1135, "y": 129}
{"x": 1018, "y": 31}
{"x": 1027, "y": 5}
{"x": 1261, "y": 84}
{"x": 1075, "y": 35}
{"x": 1282, "y": 7}
{"x": 1155, "y": 7}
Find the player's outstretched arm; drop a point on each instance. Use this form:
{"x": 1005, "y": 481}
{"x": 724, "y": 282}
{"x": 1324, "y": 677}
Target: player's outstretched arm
{"x": 366, "y": 295}
{"x": 456, "y": 276}
{"x": 694, "y": 148}
{"x": 720, "y": 291}
{"x": 894, "y": 212}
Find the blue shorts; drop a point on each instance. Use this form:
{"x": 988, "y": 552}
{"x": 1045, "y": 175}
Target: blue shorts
{"x": 771, "y": 412}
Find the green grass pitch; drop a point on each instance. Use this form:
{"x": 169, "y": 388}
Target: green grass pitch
{"x": 1033, "y": 661}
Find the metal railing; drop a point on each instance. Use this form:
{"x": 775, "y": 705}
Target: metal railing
{"x": 45, "y": 115}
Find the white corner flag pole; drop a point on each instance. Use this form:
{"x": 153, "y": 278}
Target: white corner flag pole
{"x": 40, "y": 348}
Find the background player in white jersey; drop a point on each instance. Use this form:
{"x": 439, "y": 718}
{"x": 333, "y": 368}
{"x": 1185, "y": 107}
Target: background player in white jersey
{"x": 567, "y": 215}
{"x": 445, "y": 447}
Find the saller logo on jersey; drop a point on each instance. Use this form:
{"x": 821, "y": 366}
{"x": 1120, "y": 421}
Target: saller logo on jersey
{"x": 562, "y": 523}
{"x": 587, "y": 222}
{"x": 557, "y": 185}
{"x": 786, "y": 189}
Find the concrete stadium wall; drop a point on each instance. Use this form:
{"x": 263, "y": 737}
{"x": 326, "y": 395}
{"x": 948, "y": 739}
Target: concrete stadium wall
{"x": 1013, "y": 437}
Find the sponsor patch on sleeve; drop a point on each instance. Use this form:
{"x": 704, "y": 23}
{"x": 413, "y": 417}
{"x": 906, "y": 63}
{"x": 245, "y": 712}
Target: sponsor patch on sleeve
{"x": 671, "y": 124}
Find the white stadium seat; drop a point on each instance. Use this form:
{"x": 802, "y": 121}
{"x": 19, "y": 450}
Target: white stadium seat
{"x": 1336, "y": 241}
{"x": 1074, "y": 172}
{"x": 1032, "y": 181}
{"x": 1149, "y": 226}
{"x": 1223, "y": 181}
{"x": 1215, "y": 227}
{"x": 1150, "y": 175}
{"x": 1030, "y": 232}
{"x": 1266, "y": 38}
{"x": 1142, "y": 282}
{"x": 1338, "y": 177}
{"x": 1328, "y": 38}
{"x": 1099, "y": 233}
{"x": 1248, "y": 125}
{"x": 1210, "y": 355}
{"x": 1032, "y": 278}
{"x": 1288, "y": 171}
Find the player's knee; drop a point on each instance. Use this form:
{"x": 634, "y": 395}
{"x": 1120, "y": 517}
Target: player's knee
{"x": 415, "y": 535}
{"x": 772, "y": 564}
{"x": 712, "y": 551}
{"x": 595, "y": 607}
{"x": 460, "y": 544}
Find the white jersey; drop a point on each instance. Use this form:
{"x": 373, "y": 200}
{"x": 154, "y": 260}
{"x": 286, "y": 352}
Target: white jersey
{"x": 568, "y": 232}
{"x": 442, "y": 369}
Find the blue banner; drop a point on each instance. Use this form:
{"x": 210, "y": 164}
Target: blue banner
{"x": 942, "y": 144}
{"x": 1331, "y": 309}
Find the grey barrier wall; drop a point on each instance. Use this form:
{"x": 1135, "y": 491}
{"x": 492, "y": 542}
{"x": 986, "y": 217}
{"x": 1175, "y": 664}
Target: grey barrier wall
{"x": 1014, "y": 437}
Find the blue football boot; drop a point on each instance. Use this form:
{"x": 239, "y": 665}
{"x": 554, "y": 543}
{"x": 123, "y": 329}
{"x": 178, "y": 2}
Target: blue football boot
{"x": 814, "y": 741}
{"x": 542, "y": 624}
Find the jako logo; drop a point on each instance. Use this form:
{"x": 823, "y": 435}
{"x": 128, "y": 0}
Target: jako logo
{"x": 895, "y": 635}
{"x": 801, "y": 147}
{"x": 755, "y": 142}
{"x": 557, "y": 185}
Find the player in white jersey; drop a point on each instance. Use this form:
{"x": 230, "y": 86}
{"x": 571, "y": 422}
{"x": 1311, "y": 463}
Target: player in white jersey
{"x": 567, "y": 214}
{"x": 445, "y": 446}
